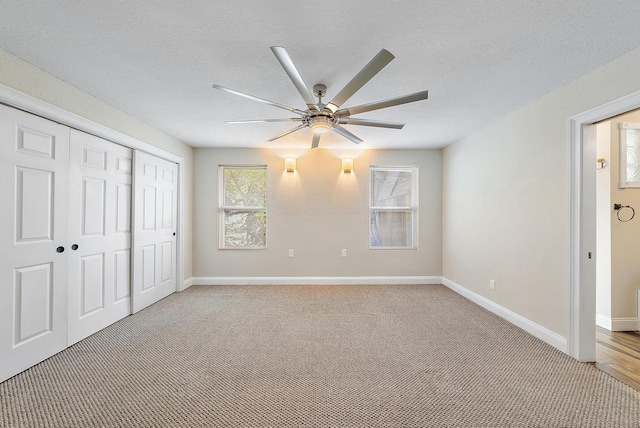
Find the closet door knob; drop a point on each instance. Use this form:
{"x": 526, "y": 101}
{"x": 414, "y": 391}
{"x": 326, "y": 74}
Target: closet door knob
{"x": 60, "y": 249}
{"x": 74, "y": 247}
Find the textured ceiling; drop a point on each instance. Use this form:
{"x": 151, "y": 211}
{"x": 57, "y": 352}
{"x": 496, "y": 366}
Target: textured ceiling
{"x": 157, "y": 59}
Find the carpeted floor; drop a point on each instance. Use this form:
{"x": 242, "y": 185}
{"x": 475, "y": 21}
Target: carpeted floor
{"x": 350, "y": 356}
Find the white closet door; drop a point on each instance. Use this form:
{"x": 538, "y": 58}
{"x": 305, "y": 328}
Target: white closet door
{"x": 99, "y": 234}
{"x": 154, "y": 246}
{"x": 34, "y": 161}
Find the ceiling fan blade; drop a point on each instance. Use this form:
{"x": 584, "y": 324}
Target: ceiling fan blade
{"x": 316, "y": 141}
{"x": 261, "y": 100}
{"x": 367, "y": 122}
{"x": 418, "y": 96}
{"x": 346, "y": 134}
{"x": 374, "y": 66}
{"x": 293, "y": 73}
{"x": 289, "y": 119}
{"x": 290, "y": 131}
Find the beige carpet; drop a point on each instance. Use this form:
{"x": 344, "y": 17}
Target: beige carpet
{"x": 351, "y": 356}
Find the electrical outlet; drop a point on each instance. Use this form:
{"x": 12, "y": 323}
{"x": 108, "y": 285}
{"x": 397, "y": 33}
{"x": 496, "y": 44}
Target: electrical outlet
{"x": 290, "y": 252}
{"x": 344, "y": 252}
{"x": 492, "y": 284}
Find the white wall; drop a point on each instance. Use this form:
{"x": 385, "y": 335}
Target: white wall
{"x": 316, "y": 211}
{"x": 24, "y": 77}
{"x": 506, "y": 202}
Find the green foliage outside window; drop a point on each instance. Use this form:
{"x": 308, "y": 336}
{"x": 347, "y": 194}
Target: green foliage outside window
{"x": 244, "y": 206}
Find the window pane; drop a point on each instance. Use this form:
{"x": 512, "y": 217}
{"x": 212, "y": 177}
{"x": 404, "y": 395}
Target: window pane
{"x": 245, "y": 229}
{"x": 391, "y": 229}
{"x": 632, "y": 156}
{"x": 633, "y": 137}
{"x": 244, "y": 207}
{"x": 245, "y": 187}
{"x": 391, "y": 188}
{"x": 633, "y": 173}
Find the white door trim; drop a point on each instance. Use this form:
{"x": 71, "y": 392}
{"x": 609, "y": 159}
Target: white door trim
{"x": 41, "y": 108}
{"x": 582, "y": 291}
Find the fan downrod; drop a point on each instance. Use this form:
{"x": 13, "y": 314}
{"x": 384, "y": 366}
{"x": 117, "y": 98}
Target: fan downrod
{"x": 319, "y": 90}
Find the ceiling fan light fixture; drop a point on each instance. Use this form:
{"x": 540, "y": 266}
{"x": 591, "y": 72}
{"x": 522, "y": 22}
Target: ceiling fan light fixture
{"x": 321, "y": 117}
{"x": 320, "y": 125}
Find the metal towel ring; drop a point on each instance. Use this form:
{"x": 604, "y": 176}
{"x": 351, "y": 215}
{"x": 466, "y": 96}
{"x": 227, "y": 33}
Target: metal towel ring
{"x": 620, "y": 207}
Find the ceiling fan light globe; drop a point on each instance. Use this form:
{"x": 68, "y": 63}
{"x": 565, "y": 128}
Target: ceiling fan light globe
{"x": 320, "y": 128}
{"x": 320, "y": 125}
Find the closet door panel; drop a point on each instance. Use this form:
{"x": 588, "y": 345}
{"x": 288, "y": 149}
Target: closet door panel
{"x": 155, "y": 221}
{"x": 34, "y": 158}
{"x": 99, "y": 233}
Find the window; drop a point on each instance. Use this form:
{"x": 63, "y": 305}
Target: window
{"x": 243, "y": 206}
{"x": 393, "y": 207}
{"x": 629, "y": 155}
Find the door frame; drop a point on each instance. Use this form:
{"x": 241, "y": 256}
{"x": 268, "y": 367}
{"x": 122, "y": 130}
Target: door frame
{"x": 582, "y": 224}
{"x": 22, "y": 101}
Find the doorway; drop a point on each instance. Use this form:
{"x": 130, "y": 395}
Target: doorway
{"x": 583, "y": 221}
{"x": 617, "y": 248}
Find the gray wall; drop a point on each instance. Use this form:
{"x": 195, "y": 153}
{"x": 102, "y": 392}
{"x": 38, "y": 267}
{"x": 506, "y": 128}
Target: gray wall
{"x": 316, "y": 211}
{"x": 506, "y": 201}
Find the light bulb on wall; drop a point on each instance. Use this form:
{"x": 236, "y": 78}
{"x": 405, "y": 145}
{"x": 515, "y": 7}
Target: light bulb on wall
{"x": 347, "y": 165}
{"x": 290, "y": 164}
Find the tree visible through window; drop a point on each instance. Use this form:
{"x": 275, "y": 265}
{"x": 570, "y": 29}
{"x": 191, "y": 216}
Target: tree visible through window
{"x": 393, "y": 207}
{"x": 243, "y": 206}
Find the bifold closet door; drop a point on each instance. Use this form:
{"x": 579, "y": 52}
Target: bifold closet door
{"x": 155, "y": 222}
{"x": 99, "y": 234}
{"x": 34, "y": 162}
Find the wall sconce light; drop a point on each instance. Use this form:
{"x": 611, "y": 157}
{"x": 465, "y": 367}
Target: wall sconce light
{"x": 290, "y": 164}
{"x": 347, "y": 165}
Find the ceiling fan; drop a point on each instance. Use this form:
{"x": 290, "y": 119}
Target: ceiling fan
{"x": 322, "y": 118}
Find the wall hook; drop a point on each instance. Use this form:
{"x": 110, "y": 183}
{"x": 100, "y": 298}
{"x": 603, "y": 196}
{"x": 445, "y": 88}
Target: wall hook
{"x": 601, "y": 163}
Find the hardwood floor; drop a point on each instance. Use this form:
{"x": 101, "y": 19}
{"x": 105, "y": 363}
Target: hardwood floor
{"x": 618, "y": 354}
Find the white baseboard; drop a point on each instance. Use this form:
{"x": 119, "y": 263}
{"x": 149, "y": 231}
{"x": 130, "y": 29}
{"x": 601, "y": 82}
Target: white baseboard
{"x": 604, "y": 322}
{"x": 618, "y": 324}
{"x": 186, "y": 284}
{"x": 625, "y": 324}
{"x": 314, "y": 280}
{"x": 536, "y": 330}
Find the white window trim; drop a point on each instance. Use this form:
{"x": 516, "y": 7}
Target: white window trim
{"x": 413, "y": 208}
{"x": 624, "y": 183}
{"x": 222, "y": 208}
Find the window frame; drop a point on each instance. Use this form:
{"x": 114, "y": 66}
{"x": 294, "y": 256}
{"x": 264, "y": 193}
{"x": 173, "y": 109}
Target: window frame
{"x": 223, "y": 209}
{"x": 624, "y": 178}
{"x": 413, "y": 208}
